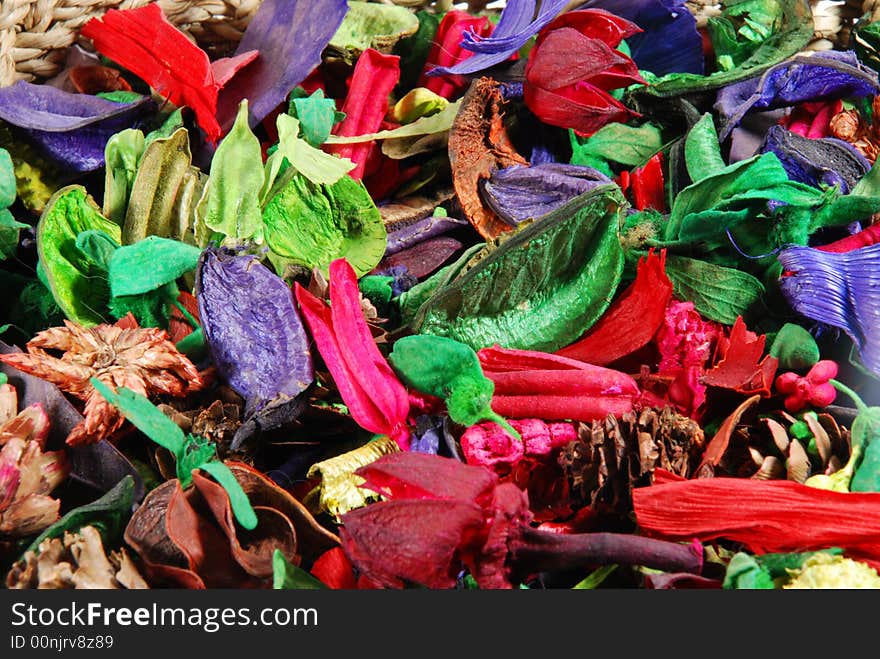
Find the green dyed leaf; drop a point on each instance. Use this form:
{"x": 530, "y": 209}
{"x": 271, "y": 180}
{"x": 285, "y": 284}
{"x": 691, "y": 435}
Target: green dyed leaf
{"x": 230, "y": 204}
{"x": 149, "y": 264}
{"x": 287, "y": 576}
{"x": 372, "y": 25}
{"x": 109, "y": 515}
{"x": 195, "y": 453}
{"x": 149, "y": 309}
{"x": 795, "y": 348}
{"x": 741, "y": 29}
{"x": 145, "y": 416}
{"x": 312, "y": 225}
{"x": 702, "y": 152}
{"x": 414, "y": 50}
{"x": 121, "y": 156}
{"x": 411, "y": 301}
{"x": 9, "y": 234}
{"x": 316, "y": 115}
{"x": 450, "y": 370}
{"x": 97, "y": 247}
{"x": 165, "y": 191}
{"x": 121, "y": 96}
{"x": 794, "y": 31}
{"x": 543, "y": 287}
{"x": 172, "y": 123}
{"x": 433, "y": 124}
{"x": 7, "y": 180}
{"x": 317, "y": 166}
{"x": 595, "y": 578}
{"x": 718, "y": 293}
{"x": 616, "y": 142}
{"x": 78, "y": 285}
{"x": 238, "y": 500}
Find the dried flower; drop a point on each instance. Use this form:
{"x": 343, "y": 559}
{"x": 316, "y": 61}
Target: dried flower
{"x": 142, "y": 359}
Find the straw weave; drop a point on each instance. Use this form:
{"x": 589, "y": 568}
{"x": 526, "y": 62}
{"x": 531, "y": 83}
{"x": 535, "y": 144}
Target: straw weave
{"x": 35, "y": 34}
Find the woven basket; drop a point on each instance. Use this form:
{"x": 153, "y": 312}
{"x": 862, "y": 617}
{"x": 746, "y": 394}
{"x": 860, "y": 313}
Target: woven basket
{"x": 35, "y": 34}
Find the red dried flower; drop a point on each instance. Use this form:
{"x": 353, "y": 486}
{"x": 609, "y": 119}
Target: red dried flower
{"x": 813, "y": 389}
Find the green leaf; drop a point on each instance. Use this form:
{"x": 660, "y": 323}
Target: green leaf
{"x": 195, "y": 453}
{"x": 145, "y": 416}
{"x": 450, "y": 370}
{"x": 36, "y": 177}
{"x": 172, "y": 123}
{"x": 7, "y": 180}
{"x": 121, "y": 156}
{"x": 312, "y": 225}
{"x": 316, "y": 115}
{"x": 795, "y": 348}
{"x": 97, "y": 247}
{"x": 595, "y": 578}
{"x": 718, "y": 293}
{"x": 230, "y": 203}
{"x": 372, "y": 25}
{"x": 440, "y": 122}
{"x": 165, "y": 191}
{"x": 543, "y": 287}
{"x": 616, "y": 142}
{"x": 287, "y": 576}
{"x": 238, "y": 500}
{"x": 702, "y": 152}
{"x": 9, "y": 234}
{"x": 150, "y": 264}
{"x": 109, "y": 515}
{"x": 794, "y": 21}
{"x": 78, "y": 285}
{"x": 152, "y": 309}
{"x": 317, "y": 166}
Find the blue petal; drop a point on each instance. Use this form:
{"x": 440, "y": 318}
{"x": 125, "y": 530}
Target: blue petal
{"x": 514, "y": 29}
{"x": 520, "y": 193}
{"x": 669, "y": 42}
{"x": 841, "y": 290}
{"x": 820, "y": 76}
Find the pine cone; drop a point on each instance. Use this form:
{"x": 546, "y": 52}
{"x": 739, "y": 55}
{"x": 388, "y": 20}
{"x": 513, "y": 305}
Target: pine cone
{"x": 612, "y": 456}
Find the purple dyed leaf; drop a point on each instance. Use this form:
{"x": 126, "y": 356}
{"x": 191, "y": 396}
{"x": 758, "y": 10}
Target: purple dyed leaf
{"x": 669, "y": 43}
{"x": 520, "y": 193}
{"x": 820, "y": 76}
{"x": 428, "y": 227}
{"x": 515, "y": 27}
{"x": 841, "y": 290}
{"x": 424, "y": 258}
{"x": 253, "y": 328}
{"x": 290, "y": 36}
{"x": 826, "y": 161}
{"x": 71, "y": 128}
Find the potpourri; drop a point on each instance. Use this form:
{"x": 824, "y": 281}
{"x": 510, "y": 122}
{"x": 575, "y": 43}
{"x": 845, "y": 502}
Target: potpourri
{"x": 548, "y": 295}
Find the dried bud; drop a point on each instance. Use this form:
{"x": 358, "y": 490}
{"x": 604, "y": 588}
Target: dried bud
{"x": 847, "y": 125}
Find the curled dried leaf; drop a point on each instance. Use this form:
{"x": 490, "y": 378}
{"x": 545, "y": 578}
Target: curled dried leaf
{"x": 479, "y": 145}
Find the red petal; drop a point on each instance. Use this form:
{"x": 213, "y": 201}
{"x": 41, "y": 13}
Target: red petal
{"x": 632, "y": 320}
{"x": 581, "y": 107}
{"x": 144, "y": 42}
{"x": 366, "y": 104}
{"x": 357, "y": 347}
{"x": 566, "y": 56}
{"x": 648, "y": 188}
{"x": 742, "y": 368}
{"x": 334, "y": 570}
{"x": 593, "y": 23}
{"x": 362, "y": 408}
{"x": 408, "y": 475}
{"x": 447, "y": 51}
{"x": 226, "y": 67}
{"x": 500, "y": 360}
{"x": 394, "y": 542}
{"x": 574, "y": 408}
{"x": 765, "y": 516}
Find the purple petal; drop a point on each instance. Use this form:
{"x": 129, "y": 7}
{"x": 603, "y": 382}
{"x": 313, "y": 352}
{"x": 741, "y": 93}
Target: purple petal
{"x": 841, "y": 290}
{"x": 71, "y": 128}
{"x": 428, "y": 227}
{"x": 820, "y": 76}
{"x": 290, "y": 36}
{"x": 519, "y": 193}
{"x": 669, "y": 43}
{"x": 823, "y": 161}
{"x": 253, "y": 328}
{"x": 514, "y": 29}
